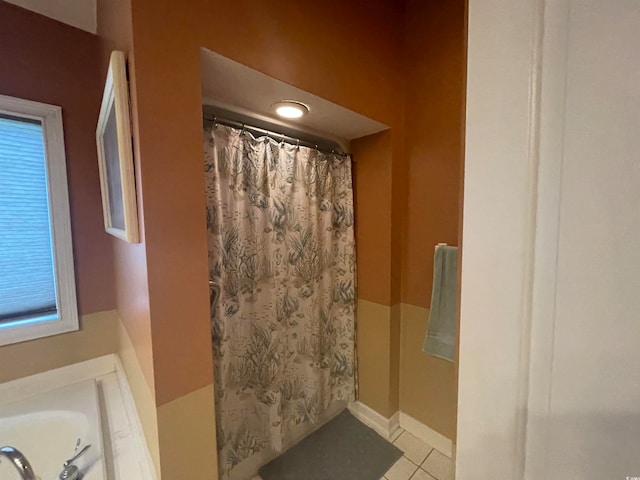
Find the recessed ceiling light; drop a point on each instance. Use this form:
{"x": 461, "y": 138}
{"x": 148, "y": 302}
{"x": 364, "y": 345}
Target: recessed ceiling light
{"x": 290, "y": 109}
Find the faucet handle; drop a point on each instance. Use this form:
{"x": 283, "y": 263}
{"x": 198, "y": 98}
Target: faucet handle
{"x": 72, "y": 459}
{"x": 70, "y": 471}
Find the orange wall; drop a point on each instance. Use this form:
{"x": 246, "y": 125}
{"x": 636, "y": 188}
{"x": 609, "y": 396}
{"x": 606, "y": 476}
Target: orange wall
{"x": 342, "y": 62}
{"x": 353, "y": 58}
{"x": 363, "y": 77}
{"x": 367, "y": 77}
{"x": 373, "y": 161}
{"x": 47, "y": 61}
{"x": 435, "y": 49}
{"x": 378, "y": 325}
{"x": 347, "y": 52}
{"x": 435, "y": 72}
{"x": 130, "y": 260}
{"x": 366, "y": 59}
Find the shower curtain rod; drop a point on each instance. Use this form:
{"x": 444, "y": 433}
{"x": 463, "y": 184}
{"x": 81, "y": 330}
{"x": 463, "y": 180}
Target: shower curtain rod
{"x": 272, "y": 134}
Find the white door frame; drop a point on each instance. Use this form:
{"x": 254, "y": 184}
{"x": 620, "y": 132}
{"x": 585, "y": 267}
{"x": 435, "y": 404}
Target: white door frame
{"x": 552, "y": 101}
{"x": 513, "y": 165}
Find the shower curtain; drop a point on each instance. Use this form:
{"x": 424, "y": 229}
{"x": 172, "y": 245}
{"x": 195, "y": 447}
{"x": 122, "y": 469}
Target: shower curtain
{"x": 282, "y": 265}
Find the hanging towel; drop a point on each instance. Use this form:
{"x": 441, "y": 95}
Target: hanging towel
{"x": 440, "y": 340}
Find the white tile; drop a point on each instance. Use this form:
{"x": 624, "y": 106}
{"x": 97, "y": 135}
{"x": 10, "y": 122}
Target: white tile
{"x": 439, "y": 465}
{"x": 401, "y": 470}
{"x": 421, "y": 475}
{"x": 414, "y": 448}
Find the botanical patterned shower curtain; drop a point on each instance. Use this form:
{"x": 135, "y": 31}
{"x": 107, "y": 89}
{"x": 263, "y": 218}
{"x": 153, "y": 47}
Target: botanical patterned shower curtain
{"x": 282, "y": 257}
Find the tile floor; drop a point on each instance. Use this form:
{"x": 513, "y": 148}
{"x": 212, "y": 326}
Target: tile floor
{"x": 418, "y": 462}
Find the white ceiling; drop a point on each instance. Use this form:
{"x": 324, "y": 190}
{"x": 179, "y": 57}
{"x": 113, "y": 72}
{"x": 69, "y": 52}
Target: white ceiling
{"x": 77, "y": 13}
{"x": 236, "y": 87}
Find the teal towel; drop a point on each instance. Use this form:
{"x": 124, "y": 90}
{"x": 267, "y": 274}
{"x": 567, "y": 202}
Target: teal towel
{"x": 440, "y": 340}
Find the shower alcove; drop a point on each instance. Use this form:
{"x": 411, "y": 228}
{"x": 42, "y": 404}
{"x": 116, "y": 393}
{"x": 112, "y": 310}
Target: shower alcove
{"x": 234, "y": 95}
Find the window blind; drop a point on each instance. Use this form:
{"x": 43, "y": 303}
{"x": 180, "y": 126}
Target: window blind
{"x": 27, "y": 281}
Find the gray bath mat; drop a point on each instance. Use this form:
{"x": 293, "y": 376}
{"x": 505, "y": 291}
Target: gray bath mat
{"x": 344, "y": 448}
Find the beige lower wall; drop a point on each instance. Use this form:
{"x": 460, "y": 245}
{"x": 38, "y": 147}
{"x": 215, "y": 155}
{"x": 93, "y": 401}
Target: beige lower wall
{"x": 428, "y": 390}
{"x": 180, "y": 434}
{"x": 395, "y": 374}
{"x": 376, "y": 376}
{"x": 388, "y": 367}
{"x": 395, "y": 333}
{"x": 142, "y": 393}
{"x": 96, "y": 337}
{"x": 187, "y": 436}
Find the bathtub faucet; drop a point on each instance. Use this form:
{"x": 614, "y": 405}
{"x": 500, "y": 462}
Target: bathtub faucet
{"x": 19, "y": 461}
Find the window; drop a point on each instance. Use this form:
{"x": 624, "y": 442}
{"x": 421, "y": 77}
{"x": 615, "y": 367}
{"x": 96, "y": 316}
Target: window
{"x": 37, "y": 283}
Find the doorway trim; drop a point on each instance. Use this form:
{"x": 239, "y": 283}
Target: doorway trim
{"x": 511, "y": 212}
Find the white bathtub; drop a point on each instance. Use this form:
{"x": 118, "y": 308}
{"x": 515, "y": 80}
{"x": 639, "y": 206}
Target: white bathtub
{"x": 47, "y": 427}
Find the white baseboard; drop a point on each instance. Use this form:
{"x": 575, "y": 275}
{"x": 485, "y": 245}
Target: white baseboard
{"x": 394, "y": 424}
{"x": 388, "y": 426}
{"x": 383, "y": 425}
{"x": 426, "y": 434}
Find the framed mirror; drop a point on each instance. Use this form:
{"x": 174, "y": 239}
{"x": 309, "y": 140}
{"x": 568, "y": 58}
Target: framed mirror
{"x": 115, "y": 154}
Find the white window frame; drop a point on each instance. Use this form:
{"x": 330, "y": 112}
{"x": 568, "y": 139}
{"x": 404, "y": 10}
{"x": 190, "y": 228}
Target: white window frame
{"x": 50, "y": 117}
